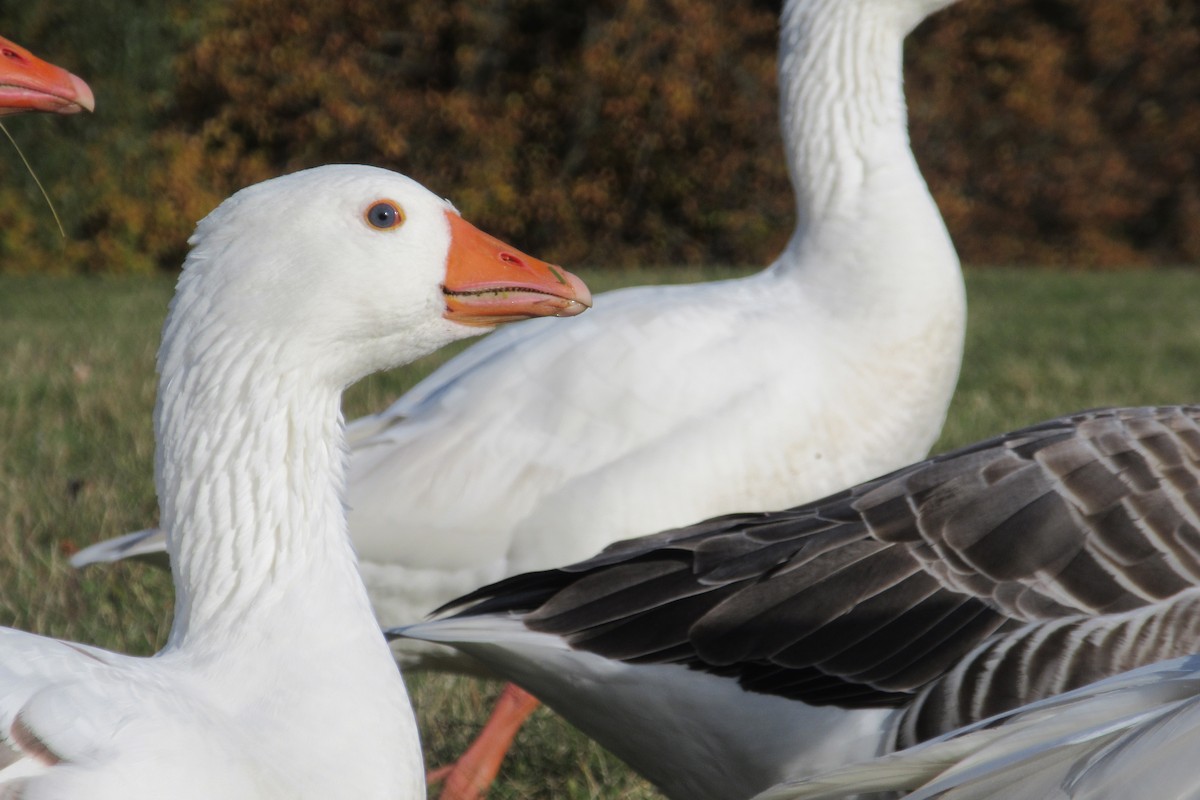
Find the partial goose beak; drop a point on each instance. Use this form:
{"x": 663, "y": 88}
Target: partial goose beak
{"x": 29, "y": 84}
{"x": 488, "y": 282}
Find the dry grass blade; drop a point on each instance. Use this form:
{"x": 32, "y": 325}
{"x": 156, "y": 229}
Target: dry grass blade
{"x": 33, "y": 175}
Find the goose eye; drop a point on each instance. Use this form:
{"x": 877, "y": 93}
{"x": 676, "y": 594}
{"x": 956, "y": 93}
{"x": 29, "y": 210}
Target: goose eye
{"x": 385, "y": 215}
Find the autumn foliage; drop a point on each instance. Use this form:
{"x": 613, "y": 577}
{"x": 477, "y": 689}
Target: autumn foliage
{"x": 611, "y": 133}
{"x": 1063, "y": 131}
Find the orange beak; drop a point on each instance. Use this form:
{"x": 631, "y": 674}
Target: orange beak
{"x": 489, "y": 282}
{"x": 29, "y": 84}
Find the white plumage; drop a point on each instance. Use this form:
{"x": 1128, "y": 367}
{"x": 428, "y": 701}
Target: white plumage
{"x": 667, "y": 404}
{"x": 275, "y": 682}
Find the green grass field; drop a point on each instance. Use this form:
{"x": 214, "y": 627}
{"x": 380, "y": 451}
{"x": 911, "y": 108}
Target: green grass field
{"x": 76, "y": 451}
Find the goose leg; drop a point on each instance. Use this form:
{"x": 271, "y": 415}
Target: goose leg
{"x": 472, "y": 774}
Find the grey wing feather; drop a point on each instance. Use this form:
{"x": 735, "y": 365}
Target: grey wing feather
{"x": 1132, "y": 735}
{"x": 875, "y": 594}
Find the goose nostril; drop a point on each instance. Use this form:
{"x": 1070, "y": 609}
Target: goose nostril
{"x": 509, "y": 258}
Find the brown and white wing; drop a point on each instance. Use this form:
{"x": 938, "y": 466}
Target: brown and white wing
{"x": 873, "y": 595}
{"x": 1131, "y": 735}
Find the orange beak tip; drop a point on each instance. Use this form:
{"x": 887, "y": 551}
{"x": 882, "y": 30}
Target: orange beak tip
{"x": 84, "y": 99}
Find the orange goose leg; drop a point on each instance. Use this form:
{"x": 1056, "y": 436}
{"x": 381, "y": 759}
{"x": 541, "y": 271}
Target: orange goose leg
{"x": 472, "y": 774}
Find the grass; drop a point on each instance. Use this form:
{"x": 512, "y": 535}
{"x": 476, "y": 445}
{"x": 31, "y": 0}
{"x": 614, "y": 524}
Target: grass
{"x": 76, "y": 452}
{"x": 1040, "y": 344}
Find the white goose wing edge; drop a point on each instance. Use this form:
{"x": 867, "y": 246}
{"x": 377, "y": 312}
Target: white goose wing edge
{"x": 69, "y": 706}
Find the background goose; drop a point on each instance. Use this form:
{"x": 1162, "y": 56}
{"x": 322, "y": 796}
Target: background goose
{"x": 294, "y": 288}
{"x": 725, "y": 657}
{"x": 668, "y": 404}
{"x": 1133, "y": 735}
{"x": 29, "y": 84}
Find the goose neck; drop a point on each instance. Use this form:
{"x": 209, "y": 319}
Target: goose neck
{"x": 249, "y": 472}
{"x": 842, "y": 104}
{"x": 270, "y": 609}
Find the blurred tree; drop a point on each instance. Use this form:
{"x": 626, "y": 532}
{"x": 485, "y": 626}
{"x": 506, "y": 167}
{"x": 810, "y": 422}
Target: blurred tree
{"x": 1063, "y": 131}
{"x": 91, "y": 164}
{"x": 599, "y": 132}
{"x": 609, "y": 133}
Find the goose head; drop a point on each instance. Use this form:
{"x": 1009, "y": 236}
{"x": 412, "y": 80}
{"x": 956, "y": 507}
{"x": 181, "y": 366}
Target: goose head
{"x": 29, "y": 84}
{"x": 350, "y": 269}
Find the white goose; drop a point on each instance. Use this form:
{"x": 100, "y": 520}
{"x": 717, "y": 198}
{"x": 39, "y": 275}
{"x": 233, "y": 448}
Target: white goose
{"x": 294, "y": 288}
{"x": 723, "y": 658}
{"x": 667, "y": 404}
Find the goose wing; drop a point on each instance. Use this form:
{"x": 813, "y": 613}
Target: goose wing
{"x": 869, "y": 596}
{"x": 1125, "y": 736}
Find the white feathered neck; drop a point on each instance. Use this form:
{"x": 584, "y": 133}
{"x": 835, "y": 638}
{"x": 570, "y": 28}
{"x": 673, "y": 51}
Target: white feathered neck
{"x": 262, "y": 336}
{"x": 250, "y": 472}
{"x": 867, "y": 229}
{"x": 270, "y": 609}
{"x": 250, "y": 461}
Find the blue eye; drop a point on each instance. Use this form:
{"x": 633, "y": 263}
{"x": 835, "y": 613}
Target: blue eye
{"x": 385, "y": 215}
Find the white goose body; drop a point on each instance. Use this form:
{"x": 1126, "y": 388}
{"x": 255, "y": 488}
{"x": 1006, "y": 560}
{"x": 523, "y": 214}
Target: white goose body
{"x": 835, "y": 364}
{"x": 275, "y": 681}
{"x": 668, "y": 404}
{"x": 761, "y": 647}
